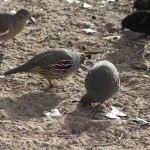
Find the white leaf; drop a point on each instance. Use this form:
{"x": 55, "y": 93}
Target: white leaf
{"x": 85, "y": 5}
{"x": 1, "y": 77}
{"x": 111, "y": 116}
{"x": 112, "y": 37}
{"x": 107, "y": 1}
{"x": 116, "y": 112}
{"x": 13, "y": 11}
{"x": 88, "y": 30}
{"x": 55, "y": 113}
{"x": 46, "y": 113}
{"x": 6, "y": 0}
{"x": 141, "y": 122}
{"x": 73, "y": 1}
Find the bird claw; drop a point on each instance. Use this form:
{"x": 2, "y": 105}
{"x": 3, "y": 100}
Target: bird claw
{"x": 50, "y": 85}
{"x": 2, "y": 46}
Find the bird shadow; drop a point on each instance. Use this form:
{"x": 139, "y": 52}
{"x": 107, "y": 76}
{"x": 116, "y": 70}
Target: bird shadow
{"x": 30, "y": 105}
{"x": 86, "y": 119}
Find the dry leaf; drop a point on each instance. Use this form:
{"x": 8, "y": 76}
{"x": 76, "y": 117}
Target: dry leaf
{"x": 54, "y": 113}
{"x": 88, "y": 30}
{"x": 73, "y": 1}
{"x": 85, "y": 5}
{"x": 141, "y": 122}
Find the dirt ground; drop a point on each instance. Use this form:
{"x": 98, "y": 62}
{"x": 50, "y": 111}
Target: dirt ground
{"x": 23, "y": 98}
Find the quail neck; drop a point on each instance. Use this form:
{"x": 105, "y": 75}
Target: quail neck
{"x": 78, "y": 59}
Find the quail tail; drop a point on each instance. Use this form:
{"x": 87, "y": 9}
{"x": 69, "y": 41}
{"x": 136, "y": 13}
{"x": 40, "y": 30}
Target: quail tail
{"x": 22, "y": 68}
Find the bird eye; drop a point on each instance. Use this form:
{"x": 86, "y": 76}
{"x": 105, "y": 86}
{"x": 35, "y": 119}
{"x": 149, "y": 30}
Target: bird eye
{"x": 24, "y": 14}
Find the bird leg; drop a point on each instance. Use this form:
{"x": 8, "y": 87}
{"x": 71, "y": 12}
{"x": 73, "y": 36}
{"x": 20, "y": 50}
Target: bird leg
{"x": 50, "y": 84}
{"x": 2, "y": 46}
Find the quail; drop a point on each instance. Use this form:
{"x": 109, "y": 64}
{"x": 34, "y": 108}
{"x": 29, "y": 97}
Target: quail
{"x": 101, "y": 83}
{"x": 138, "y": 21}
{"x": 12, "y": 24}
{"x": 141, "y": 4}
{"x": 53, "y": 64}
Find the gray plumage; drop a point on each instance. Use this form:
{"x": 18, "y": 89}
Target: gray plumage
{"x": 12, "y": 24}
{"x": 52, "y": 64}
{"x": 101, "y": 83}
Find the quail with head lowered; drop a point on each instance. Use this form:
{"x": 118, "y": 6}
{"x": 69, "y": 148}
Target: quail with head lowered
{"x": 12, "y": 24}
{"x": 56, "y": 63}
{"x": 101, "y": 83}
{"x": 138, "y": 21}
{"x": 141, "y": 5}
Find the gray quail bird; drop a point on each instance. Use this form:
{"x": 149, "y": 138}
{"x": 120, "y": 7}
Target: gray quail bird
{"x": 53, "y": 64}
{"x": 101, "y": 83}
{"x": 12, "y": 24}
{"x": 141, "y": 5}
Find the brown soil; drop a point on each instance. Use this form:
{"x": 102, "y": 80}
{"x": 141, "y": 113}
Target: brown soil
{"x": 23, "y": 99}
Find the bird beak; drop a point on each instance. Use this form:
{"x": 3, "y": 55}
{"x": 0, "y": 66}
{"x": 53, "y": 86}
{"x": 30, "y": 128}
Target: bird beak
{"x": 32, "y": 20}
{"x": 88, "y": 56}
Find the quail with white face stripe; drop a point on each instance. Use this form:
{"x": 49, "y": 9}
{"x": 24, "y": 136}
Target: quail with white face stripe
{"x": 56, "y": 63}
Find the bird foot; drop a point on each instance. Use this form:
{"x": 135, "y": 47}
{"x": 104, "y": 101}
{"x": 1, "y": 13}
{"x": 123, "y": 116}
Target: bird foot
{"x": 2, "y": 46}
{"x": 1, "y": 57}
{"x": 50, "y": 85}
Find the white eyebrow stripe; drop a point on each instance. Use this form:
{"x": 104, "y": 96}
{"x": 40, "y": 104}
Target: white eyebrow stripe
{"x": 1, "y": 34}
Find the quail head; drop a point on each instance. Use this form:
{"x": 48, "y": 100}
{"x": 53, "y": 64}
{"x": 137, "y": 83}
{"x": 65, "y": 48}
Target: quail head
{"x": 52, "y": 64}
{"x": 141, "y": 4}
{"x": 101, "y": 83}
{"x": 138, "y": 21}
